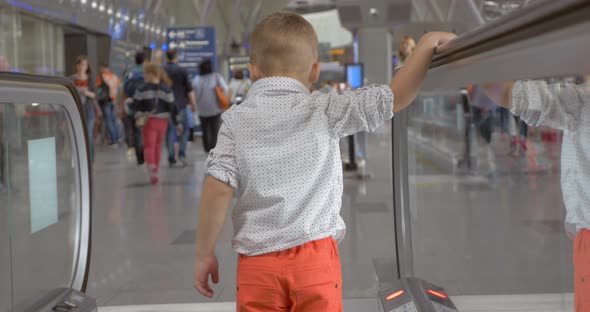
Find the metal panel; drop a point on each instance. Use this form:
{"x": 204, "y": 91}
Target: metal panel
{"x": 403, "y": 238}
{"x": 5, "y": 267}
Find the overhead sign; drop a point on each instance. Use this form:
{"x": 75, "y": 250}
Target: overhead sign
{"x": 239, "y": 62}
{"x": 194, "y": 44}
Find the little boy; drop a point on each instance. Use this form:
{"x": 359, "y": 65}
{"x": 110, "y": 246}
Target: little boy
{"x": 279, "y": 151}
{"x": 564, "y": 106}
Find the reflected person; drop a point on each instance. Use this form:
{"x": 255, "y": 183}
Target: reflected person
{"x": 564, "y": 106}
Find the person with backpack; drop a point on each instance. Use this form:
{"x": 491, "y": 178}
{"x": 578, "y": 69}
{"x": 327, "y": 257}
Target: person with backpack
{"x": 185, "y": 104}
{"x": 134, "y": 79}
{"x": 107, "y": 84}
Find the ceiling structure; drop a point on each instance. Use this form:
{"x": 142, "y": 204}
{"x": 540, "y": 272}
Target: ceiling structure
{"x": 235, "y": 19}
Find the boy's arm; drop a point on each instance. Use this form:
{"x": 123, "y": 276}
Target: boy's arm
{"x": 540, "y": 104}
{"x": 215, "y": 202}
{"x": 367, "y": 108}
{"x": 218, "y": 189}
{"x": 408, "y": 80}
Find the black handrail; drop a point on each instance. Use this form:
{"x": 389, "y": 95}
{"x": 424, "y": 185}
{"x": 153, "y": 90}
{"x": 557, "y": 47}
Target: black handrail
{"x": 523, "y": 24}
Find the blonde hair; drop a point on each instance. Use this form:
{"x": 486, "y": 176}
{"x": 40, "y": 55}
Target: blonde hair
{"x": 283, "y": 42}
{"x": 409, "y": 40}
{"x": 157, "y": 71}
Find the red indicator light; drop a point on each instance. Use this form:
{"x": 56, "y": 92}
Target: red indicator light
{"x": 438, "y": 294}
{"x": 395, "y": 294}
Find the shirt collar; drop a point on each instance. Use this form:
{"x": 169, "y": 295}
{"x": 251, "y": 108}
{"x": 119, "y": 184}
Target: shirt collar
{"x": 277, "y": 84}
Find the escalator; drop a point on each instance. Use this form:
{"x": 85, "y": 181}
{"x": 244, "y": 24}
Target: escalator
{"x": 45, "y": 191}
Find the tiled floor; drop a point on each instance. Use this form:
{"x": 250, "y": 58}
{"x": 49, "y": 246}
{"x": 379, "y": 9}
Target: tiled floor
{"x": 473, "y": 234}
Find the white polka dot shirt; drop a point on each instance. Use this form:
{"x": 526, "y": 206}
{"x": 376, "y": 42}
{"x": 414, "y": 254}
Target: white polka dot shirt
{"x": 279, "y": 150}
{"x": 566, "y": 107}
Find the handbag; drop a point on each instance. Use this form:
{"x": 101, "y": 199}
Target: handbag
{"x": 222, "y": 100}
{"x": 141, "y": 118}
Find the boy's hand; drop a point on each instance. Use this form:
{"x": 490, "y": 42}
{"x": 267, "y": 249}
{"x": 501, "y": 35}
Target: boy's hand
{"x": 205, "y": 266}
{"x": 407, "y": 81}
{"x": 440, "y": 39}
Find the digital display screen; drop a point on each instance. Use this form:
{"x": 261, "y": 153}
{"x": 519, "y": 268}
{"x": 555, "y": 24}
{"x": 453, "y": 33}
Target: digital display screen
{"x": 355, "y": 75}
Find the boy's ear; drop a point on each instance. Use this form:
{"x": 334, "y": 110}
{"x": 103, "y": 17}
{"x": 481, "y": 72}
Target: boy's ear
{"x": 314, "y": 76}
{"x": 255, "y": 73}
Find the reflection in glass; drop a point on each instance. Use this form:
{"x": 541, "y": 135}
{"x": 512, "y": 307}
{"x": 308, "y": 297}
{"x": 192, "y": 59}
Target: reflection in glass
{"x": 490, "y": 187}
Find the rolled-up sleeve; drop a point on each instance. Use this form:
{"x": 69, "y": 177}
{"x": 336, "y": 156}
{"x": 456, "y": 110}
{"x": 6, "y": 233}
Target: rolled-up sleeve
{"x": 540, "y": 104}
{"x": 362, "y": 110}
{"x": 221, "y": 163}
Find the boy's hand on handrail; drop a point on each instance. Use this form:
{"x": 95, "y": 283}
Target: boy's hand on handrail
{"x": 408, "y": 80}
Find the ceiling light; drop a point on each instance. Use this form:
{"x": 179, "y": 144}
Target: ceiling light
{"x": 126, "y": 18}
{"x": 101, "y": 7}
{"x": 118, "y": 14}
{"x": 83, "y": 1}
{"x": 134, "y": 21}
{"x": 94, "y": 4}
{"x": 110, "y": 11}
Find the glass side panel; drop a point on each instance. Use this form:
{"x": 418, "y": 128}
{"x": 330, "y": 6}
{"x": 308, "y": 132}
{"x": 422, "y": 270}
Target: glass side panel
{"x": 43, "y": 197}
{"x": 489, "y": 193}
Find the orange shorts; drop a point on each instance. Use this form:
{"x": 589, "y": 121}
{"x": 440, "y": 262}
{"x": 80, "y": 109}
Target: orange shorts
{"x": 582, "y": 271}
{"x": 303, "y": 278}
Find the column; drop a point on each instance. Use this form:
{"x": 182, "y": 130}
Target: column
{"x": 375, "y": 52}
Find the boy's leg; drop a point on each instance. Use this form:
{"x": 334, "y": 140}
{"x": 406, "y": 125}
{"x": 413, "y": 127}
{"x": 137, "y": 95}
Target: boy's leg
{"x": 316, "y": 277}
{"x": 582, "y": 271}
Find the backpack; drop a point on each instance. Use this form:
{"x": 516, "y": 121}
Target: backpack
{"x": 133, "y": 81}
{"x": 103, "y": 93}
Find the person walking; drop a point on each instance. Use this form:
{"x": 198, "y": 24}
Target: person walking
{"x": 82, "y": 79}
{"x": 133, "y": 80}
{"x": 107, "y": 84}
{"x": 184, "y": 98}
{"x": 153, "y": 104}
{"x": 207, "y": 104}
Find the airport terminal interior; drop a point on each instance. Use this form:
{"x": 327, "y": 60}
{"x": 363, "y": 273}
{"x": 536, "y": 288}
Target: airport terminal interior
{"x": 470, "y": 199}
